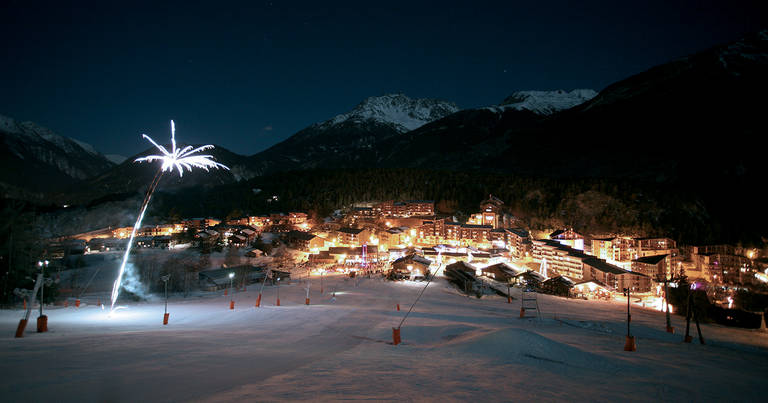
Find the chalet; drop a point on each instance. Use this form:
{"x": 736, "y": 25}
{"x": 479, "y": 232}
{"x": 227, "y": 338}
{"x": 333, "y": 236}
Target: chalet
{"x": 200, "y": 223}
{"x": 237, "y": 221}
{"x": 405, "y": 208}
{"x": 490, "y": 213}
{"x": 615, "y": 277}
{"x": 461, "y": 266}
{"x": 367, "y": 253}
{"x": 412, "y": 265}
{"x": 591, "y": 289}
{"x": 238, "y": 241}
{"x": 161, "y": 241}
{"x": 655, "y": 267}
{"x": 462, "y": 275}
{"x": 259, "y": 221}
{"x": 142, "y": 242}
{"x": 500, "y": 272}
{"x": 297, "y": 219}
{"x": 476, "y": 234}
{"x": 723, "y": 268}
{"x": 392, "y": 237}
{"x": 304, "y": 241}
{"x": 568, "y": 237}
{"x": 58, "y": 250}
{"x": 107, "y": 244}
{"x": 559, "y": 258}
{"x": 518, "y": 242}
{"x": 322, "y": 257}
{"x": 559, "y": 285}
{"x": 362, "y": 212}
{"x": 352, "y": 236}
{"x": 249, "y": 233}
{"x": 530, "y": 278}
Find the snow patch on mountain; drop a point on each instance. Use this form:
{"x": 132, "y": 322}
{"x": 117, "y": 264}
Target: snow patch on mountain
{"x": 115, "y": 158}
{"x": 87, "y": 147}
{"x": 544, "y": 102}
{"x": 404, "y": 113}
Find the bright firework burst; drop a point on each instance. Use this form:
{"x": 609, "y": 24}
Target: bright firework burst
{"x": 177, "y": 158}
{"x": 181, "y": 158}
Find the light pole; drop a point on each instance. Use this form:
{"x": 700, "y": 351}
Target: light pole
{"x": 42, "y": 320}
{"x": 278, "y": 290}
{"x": 629, "y": 345}
{"x": 232, "y": 297}
{"x": 165, "y": 315}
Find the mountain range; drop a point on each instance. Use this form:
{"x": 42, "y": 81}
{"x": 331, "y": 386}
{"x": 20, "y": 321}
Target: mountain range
{"x": 35, "y": 160}
{"x": 695, "y": 123}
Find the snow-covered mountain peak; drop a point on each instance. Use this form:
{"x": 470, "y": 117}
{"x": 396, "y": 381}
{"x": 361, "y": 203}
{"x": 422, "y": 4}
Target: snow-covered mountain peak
{"x": 547, "y": 102}
{"x": 29, "y": 141}
{"x": 403, "y": 113}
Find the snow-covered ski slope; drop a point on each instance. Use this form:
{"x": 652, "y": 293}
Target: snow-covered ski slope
{"x": 454, "y": 348}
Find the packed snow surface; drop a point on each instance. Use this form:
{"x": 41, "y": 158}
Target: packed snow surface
{"x": 454, "y": 348}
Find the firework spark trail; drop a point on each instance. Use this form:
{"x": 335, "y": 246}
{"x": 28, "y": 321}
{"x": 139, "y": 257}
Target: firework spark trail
{"x": 176, "y": 158}
{"x": 144, "y": 204}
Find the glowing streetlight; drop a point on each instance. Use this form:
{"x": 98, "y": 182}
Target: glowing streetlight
{"x": 42, "y": 320}
{"x": 232, "y": 297}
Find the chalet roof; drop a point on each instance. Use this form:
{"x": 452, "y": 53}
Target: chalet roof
{"x": 519, "y": 232}
{"x": 603, "y": 266}
{"x": 414, "y": 258}
{"x": 651, "y": 259}
{"x": 353, "y": 231}
{"x": 492, "y": 199}
{"x": 433, "y": 252}
{"x": 462, "y": 266}
{"x": 561, "y": 232}
{"x": 596, "y": 282}
{"x": 502, "y": 267}
{"x": 561, "y": 279}
{"x": 302, "y": 236}
{"x": 476, "y": 226}
{"x": 530, "y": 273}
{"x": 556, "y": 233}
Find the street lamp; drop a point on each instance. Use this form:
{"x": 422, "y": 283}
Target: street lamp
{"x": 232, "y": 297}
{"x": 42, "y": 320}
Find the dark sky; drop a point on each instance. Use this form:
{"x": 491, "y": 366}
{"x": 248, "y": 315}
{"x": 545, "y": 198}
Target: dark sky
{"x": 246, "y": 77}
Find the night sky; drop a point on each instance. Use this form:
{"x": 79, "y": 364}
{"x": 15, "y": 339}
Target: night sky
{"x": 247, "y": 77}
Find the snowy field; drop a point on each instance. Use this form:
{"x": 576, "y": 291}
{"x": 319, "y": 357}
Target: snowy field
{"x": 454, "y": 348}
